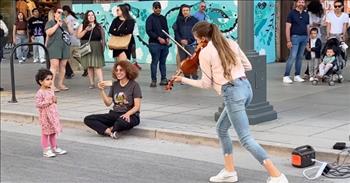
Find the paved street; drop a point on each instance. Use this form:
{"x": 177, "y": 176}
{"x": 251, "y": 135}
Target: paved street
{"x": 92, "y": 158}
{"x": 315, "y": 115}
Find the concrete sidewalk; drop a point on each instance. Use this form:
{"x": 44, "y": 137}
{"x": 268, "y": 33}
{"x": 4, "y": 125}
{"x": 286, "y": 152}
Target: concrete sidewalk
{"x": 314, "y": 115}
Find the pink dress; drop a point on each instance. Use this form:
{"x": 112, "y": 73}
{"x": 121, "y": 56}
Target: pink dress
{"x": 48, "y": 114}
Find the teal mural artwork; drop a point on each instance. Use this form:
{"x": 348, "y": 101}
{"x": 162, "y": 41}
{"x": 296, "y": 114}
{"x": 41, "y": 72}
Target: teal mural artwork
{"x": 221, "y": 13}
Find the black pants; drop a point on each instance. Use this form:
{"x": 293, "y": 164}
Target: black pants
{"x": 69, "y": 70}
{"x": 100, "y": 122}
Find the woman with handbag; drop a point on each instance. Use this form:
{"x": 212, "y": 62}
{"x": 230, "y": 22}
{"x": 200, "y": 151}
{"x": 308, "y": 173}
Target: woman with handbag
{"x": 121, "y": 31}
{"x": 92, "y": 40}
{"x": 58, "y": 46}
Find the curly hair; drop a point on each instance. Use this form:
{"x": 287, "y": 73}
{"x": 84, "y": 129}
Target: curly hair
{"x": 42, "y": 74}
{"x": 131, "y": 71}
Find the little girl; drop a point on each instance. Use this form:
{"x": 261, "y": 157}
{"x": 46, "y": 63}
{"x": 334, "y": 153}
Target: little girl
{"x": 48, "y": 116}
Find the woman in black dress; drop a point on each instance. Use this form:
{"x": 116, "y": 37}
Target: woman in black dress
{"x": 123, "y": 24}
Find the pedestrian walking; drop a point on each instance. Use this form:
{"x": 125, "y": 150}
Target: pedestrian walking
{"x": 125, "y": 95}
{"x": 296, "y": 34}
{"x": 72, "y": 24}
{"x": 46, "y": 103}
{"x": 223, "y": 66}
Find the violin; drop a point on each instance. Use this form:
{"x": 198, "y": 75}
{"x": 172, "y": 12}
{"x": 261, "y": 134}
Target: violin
{"x": 189, "y": 65}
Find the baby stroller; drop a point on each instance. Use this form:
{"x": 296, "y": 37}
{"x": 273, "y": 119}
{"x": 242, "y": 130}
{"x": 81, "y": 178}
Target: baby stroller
{"x": 334, "y": 74}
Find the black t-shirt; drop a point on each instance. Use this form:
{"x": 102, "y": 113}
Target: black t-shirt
{"x": 36, "y": 26}
{"x": 123, "y": 97}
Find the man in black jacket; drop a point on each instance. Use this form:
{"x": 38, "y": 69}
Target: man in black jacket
{"x": 183, "y": 33}
{"x": 158, "y": 43}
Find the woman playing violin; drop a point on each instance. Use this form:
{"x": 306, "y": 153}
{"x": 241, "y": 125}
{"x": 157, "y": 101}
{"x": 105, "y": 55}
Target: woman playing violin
{"x": 223, "y": 66}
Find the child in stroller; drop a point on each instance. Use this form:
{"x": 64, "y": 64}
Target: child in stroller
{"x": 333, "y": 62}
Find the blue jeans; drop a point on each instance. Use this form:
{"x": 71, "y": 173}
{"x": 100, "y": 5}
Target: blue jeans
{"x": 237, "y": 96}
{"x": 159, "y": 54}
{"x": 296, "y": 54}
{"x": 22, "y": 51}
{"x": 38, "y": 51}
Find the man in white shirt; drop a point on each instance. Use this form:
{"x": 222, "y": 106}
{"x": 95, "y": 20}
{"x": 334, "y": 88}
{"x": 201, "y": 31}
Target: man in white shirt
{"x": 337, "y": 21}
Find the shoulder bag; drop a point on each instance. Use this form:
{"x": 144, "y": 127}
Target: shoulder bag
{"x": 86, "y": 48}
{"x": 119, "y": 42}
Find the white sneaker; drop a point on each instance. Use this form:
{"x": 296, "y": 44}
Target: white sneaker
{"x": 286, "y": 79}
{"x": 35, "y": 60}
{"x": 20, "y": 61}
{"x": 298, "y": 79}
{"x": 224, "y": 176}
{"x": 311, "y": 79}
{"x": 59, "y": 151}
{"x": 42, "y": 61}
{"x": 48, "y": 153}
{"x": 280, "y": 179}
{"x": 115, "y": 135}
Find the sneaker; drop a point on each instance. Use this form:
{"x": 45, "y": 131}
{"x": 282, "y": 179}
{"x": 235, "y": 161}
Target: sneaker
{"x": 115, "y": 135}
{"x": 280, "y": 179}
{"x": 153, "y": 84}
{"x": 42, "y": 61}
{"x": 286, "y": 79}
{"x": 48, "y": 153}
{"x": 224, "y": 176}
{"x": 311, "y": 79}
{"x": 163, "y": 82}
{"x": 59, "y": 151}
{"x": 298, "y": 79}
{"x": 35, "y": 60}
{"x": 20, "y": 61}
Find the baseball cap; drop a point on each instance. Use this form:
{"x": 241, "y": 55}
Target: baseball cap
{"x": 156, "y": 4}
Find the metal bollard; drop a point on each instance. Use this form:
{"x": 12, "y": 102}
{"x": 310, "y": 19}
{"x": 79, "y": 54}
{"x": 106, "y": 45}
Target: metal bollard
{"x": 13, "y": 87}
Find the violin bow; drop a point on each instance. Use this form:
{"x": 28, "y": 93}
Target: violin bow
{"x": 178, "y": 44}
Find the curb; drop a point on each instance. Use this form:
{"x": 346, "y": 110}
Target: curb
{"x": 170, "y": 135}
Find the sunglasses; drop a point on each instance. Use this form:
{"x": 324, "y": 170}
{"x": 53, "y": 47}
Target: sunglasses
{"x": 157, "y": 7}
{"x": 338, "y": 6}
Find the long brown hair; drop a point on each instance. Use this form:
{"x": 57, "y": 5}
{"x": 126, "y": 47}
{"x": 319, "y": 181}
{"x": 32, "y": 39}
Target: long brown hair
{"x": 227, "y": 56}
{"x": 125, "y": 11}
{"x": 86, "y": 20}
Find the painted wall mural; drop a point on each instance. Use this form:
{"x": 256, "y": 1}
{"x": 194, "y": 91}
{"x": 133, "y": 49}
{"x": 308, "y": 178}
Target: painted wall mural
{"x": 222, "y": 13}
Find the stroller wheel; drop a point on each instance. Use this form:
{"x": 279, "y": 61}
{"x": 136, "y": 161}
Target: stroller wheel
{"x": 340, "y": 80}
{"x": 314, "y": 82}
{"x": 331, "y": 83}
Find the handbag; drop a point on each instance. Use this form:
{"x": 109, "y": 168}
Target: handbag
{"x": 86, "y": 48}
{"x": 65, "y": 36}
{"x": 119, "y": 42}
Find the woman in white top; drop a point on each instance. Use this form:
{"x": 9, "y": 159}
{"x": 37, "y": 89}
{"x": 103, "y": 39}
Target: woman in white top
{"x": 337, "y": 21}
{"x": 223, "y": 66}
